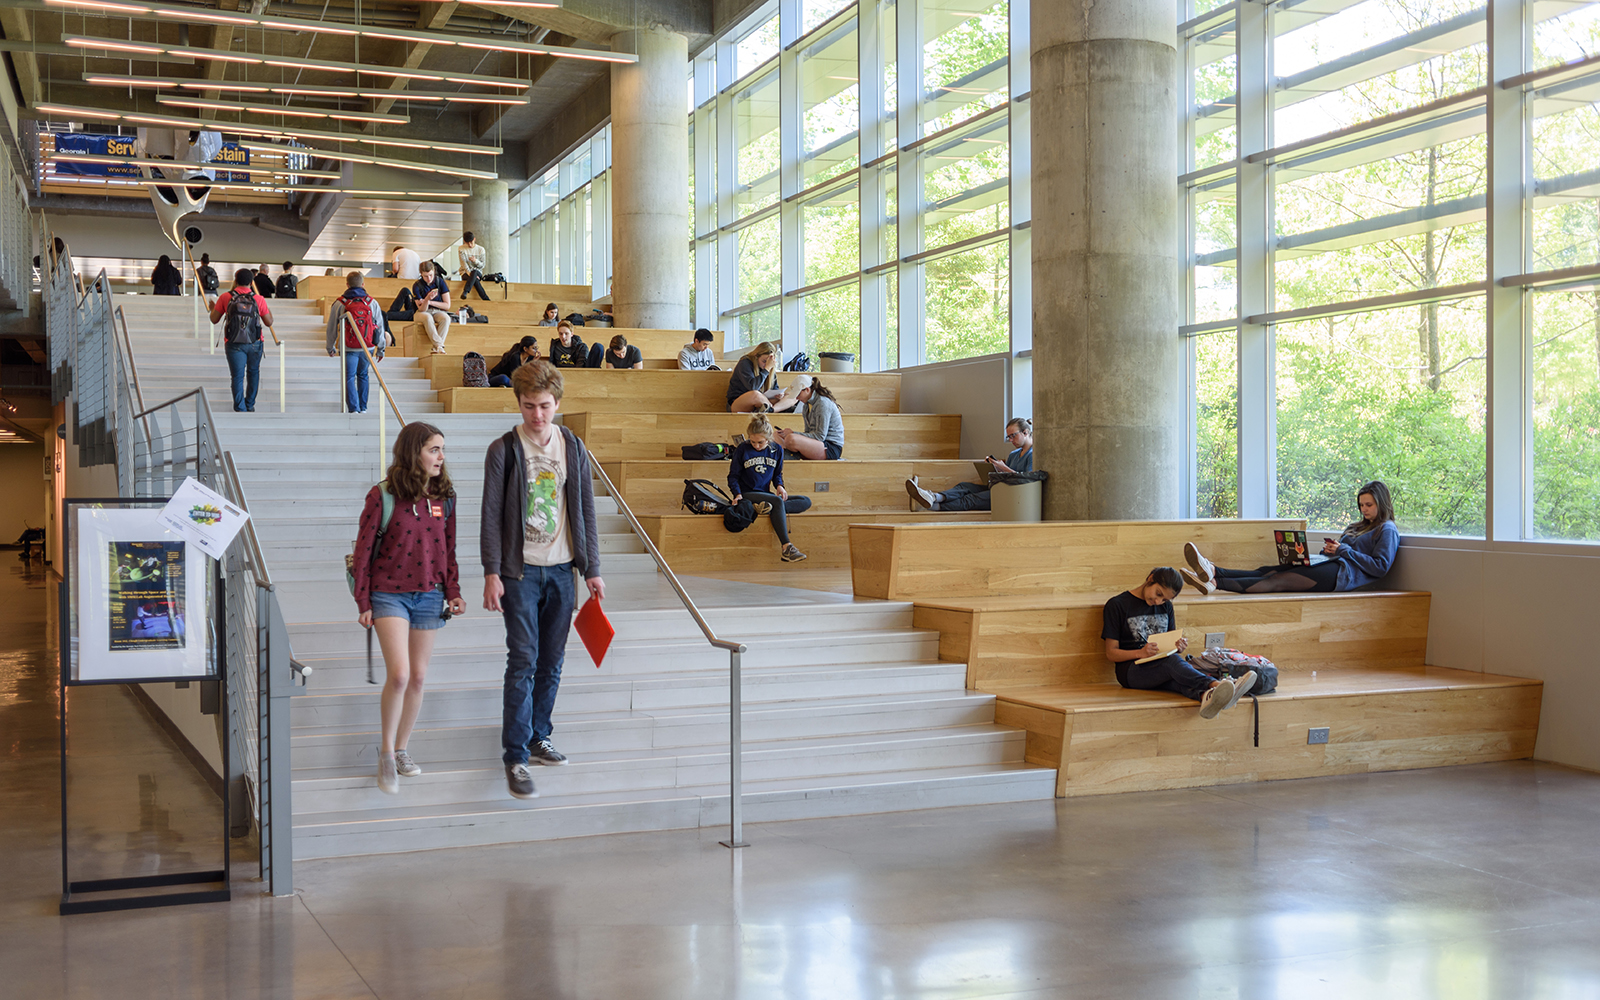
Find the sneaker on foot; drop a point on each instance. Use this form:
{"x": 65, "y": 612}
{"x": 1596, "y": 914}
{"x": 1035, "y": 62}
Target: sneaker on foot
{"x": 520, "y": 780}
{"x": 545, "y": 753}
{"x": 918, "y": 494}
{"x": 1193, "y": 580}
{"x": 791, "y": 554}
{"x": 1203, "y": 567}
{"x": 388, "y": 781}
{"x": 405, "y": 765}
{"x": 1241, "y": 687}
{"x": 1216, "y": 699}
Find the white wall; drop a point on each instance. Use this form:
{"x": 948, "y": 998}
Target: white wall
{"x": 977, "y": 388}
{"x": 1520, "y": 609}
{"x": 22, "y": 489}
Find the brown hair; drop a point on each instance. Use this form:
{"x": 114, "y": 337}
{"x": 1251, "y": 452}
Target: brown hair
{"x": 537, "y": 376}
{"x": 759, "y": 424}
{"x": 759, "y": 351}
{"x": 564, "y": 324}
{"x": 551, "y": 306}
{"x": 619, "y": 342}
{"x": 407, "y": 481}
{"x": 1379, "y": 492}
{"x": 818, "y": 389}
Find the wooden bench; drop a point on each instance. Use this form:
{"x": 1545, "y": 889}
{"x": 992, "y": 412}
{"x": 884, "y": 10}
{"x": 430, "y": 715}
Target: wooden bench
{"x": 699, "y": 542}
{"x": 332, "y": 285}
{"x": 657, "y": 487}
{"x": 916, "y": 561}
{"x": 503, "y": 315}
{"x": 445, "y": 369}
{"x": 617, "y": 390}
{"x": 615, "y": 437}
{"x": 1351, "y": 662}
{"x": 493, "y": 339}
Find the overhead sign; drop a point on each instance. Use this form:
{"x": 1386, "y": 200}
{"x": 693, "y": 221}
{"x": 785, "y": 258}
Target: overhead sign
{"x": 93, "y": 144}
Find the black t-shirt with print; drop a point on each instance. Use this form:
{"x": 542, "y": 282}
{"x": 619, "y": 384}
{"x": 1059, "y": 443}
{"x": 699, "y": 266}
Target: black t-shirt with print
{"x": 1132, "y": 622}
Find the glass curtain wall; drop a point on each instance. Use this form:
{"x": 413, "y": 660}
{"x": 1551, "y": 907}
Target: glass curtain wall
{"x": 562, "y": 221}
{"x": 801, "y": 173}
{"x": 1361, "y": 237}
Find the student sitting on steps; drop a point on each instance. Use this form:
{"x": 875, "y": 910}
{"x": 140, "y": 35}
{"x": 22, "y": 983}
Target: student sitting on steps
{"x": 756, "y": 474}
{"x": 567, "y": 349}
{"x": 1132, "y": 617}
{"x": 753, "y": 387}
{"x": 522, "y": 352}
{"x": 1363, "y": 554}
{"x": 975, "y": 496}
{"x": 698, "y": 356}
{"x": 823, "y": 438}
{"x": 550, "y": 318}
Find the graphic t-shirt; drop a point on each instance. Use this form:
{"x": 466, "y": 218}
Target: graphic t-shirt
{"x": 545, "y": 539}
{"x": 1130, "y": 621}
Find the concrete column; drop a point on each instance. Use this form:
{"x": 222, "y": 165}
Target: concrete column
{"x": 1106, "y": 355}
{"x": 486, "y": 214}
{"x": 650, "y": 180}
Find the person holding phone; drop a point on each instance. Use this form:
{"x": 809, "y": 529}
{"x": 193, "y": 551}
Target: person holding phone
{"x": 432, "y": 296}
{"x": 975, "y": 496}
{"x": 1363, "y": 553}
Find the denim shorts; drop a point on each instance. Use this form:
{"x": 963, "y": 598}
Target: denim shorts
{"x": 424, "y": 608}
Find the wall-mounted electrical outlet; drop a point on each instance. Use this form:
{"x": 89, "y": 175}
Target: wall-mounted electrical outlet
{"x": 819, "y": 487}
{"x": 1318, "y": 734}
{"x": 1214, "y": 640}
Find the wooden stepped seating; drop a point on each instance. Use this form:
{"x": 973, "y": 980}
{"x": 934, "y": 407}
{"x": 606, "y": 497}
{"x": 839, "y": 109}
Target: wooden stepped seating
{"x": 445, "y": 369}
{"x": 494, "y": 339}
{"x": 859, "y": 486}
{"x": 913, "y": 562}
{"x": 616, "y": 437}
{"x": 616, "y": 390}
{"x": 501, "y": 313}
{"x": 724, "y": 361}
{"x": 332, "y": 286}
{"x": 699, "y": 543}
{"x": 1026, "y": 620}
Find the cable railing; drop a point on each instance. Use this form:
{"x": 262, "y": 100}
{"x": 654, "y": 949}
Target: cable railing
{"x": 736, "y": 651}
{"x": 155, "y": 448}
{"x": 204, "y": 303}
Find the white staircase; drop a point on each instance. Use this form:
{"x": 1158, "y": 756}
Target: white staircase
{"x": 847, "y": 707}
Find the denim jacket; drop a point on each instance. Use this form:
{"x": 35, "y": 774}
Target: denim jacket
{"x": 1367, "y": 557}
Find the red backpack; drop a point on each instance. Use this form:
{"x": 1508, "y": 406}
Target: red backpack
{"x": 359, "y": 311}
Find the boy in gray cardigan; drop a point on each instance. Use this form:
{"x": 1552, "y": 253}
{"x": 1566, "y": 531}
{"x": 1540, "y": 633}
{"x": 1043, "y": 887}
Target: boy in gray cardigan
{"x": 538, "y": 530}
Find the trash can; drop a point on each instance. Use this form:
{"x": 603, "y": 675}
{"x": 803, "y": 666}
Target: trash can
{"x": 1023, "y": 502}
{"x": 836, "y": 361}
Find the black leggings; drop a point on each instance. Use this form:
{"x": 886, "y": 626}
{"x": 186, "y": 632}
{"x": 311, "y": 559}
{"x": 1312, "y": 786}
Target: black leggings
{"x": 471, "y": 281}
{"x": 781, "y": 509}
{"x": 1324, "y": 577}
{"x": 403, "y": 309}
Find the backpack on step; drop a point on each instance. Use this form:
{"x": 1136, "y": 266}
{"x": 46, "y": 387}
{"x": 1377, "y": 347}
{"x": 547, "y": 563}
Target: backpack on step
{"x": 706, "y": 451}
{"x": 801, "y": 362}
{"x": 1221, "y": 663}
{"x": 702, "y": 496}
{"x": 474, "y": 371}
{"x": 241, "y": 324}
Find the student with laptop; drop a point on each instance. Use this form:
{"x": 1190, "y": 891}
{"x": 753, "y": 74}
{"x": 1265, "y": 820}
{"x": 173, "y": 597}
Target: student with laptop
{"x": 1362, "y": 554}
{"x": 1136, "y": 623}
{"x": 975, "y": 496}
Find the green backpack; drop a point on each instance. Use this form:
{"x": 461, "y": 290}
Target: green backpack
{"x": 383, "y": 526}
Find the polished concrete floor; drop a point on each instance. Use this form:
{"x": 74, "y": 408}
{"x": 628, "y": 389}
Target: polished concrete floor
{"x": 1466, "y": 883}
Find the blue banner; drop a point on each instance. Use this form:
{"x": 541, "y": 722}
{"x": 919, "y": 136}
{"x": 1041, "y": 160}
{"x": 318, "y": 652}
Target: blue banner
{"x": 88, "y": 143}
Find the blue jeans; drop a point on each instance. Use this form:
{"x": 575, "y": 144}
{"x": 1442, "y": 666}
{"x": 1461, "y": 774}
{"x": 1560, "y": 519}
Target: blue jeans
{"x": 538, "y": 611}
{"x": 355, "y": 380}
{"x": 244, "y": 366}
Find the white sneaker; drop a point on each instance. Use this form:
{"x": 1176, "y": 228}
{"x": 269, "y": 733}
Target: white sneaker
{"x": 1241, "y": 687}
{"x": 918, "y": 494}
{"x": 1193, "y": 580}
{"x": 405, "y": 765}
{"x": 1216, "y": 699}
{"x": 1204, "y": 568}
{"x": 388, "y": 781}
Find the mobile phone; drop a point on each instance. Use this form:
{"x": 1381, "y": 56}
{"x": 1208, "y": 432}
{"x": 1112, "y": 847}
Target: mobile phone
{"x": 446, "y": 614}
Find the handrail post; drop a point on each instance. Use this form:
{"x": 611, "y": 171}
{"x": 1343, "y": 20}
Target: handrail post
{"x": 283, "y": 381}
{"x": 344, "y": 374}
{"x": 735, "y": 751}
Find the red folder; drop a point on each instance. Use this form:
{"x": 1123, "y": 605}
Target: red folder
{"x": 595, "y": 629}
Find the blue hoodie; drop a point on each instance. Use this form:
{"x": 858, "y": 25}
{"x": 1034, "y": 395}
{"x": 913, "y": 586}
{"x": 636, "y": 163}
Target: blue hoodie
{"x": 755, "y": 470}
{"x": 1368, "y": 556}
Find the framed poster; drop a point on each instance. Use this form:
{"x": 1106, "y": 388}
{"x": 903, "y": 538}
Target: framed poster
{"x": 140, "y": 596}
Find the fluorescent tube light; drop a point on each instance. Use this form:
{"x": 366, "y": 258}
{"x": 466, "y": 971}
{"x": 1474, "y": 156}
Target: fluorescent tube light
{"x": 272, "y": 109}
{"x": 377, "y": 161}
{"x": 129, "y": 161}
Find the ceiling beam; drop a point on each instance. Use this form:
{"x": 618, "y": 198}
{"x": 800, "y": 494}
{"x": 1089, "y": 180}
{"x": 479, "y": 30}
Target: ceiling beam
{"x": 15, "y": 23}
{"x": 432, "y": 17}
{"x": 222, "y": 38}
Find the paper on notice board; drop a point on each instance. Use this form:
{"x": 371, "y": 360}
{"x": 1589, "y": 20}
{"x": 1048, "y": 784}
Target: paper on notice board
{"x": 203, "y": 517}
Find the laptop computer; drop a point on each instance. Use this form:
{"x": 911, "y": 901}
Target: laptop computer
{"x": 1293, "y": 548}
{"x": 984, "y": 468}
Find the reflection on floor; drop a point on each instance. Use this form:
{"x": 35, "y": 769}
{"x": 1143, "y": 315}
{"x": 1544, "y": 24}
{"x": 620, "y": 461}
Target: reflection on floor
{"x": 1479, "y": 882}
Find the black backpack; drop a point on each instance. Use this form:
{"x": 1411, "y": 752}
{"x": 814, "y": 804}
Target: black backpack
{"x": 576, "y": 319}
{"x": 801, "y": 362}
{"x": 702, "y": 496}
{"x": 287, "y": 283}
{"x": 706, "y": 451}
{"x": 242, "y": 322}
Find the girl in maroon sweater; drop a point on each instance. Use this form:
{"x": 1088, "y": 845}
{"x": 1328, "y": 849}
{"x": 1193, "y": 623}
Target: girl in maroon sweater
{"x": 402, "y": 589}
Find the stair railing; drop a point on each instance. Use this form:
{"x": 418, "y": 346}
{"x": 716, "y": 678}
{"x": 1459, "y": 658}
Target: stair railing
{"x": 202, "y": 320}
{"x": 735, "y": 651}
{"x": 350, "y": 330}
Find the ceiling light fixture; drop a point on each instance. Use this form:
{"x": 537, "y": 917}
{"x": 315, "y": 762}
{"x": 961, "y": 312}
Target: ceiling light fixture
{"x": 272, "y": 109}
{"x": 289, "y": 62}
{"x": 301, "y": 90}
{"x": 76, "y": 113}
{"x": 377, "y": 161}
{"x": 274, "y": 188}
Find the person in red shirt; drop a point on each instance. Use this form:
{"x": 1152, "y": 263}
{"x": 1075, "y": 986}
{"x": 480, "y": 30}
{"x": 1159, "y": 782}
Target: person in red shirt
{"x": 241, "y": 338}
{"x": 405, "y": 580}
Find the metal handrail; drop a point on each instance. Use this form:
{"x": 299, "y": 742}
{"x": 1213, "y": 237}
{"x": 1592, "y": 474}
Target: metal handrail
{"x": 372, "y": 361}
{"x": 735, "y": 672}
